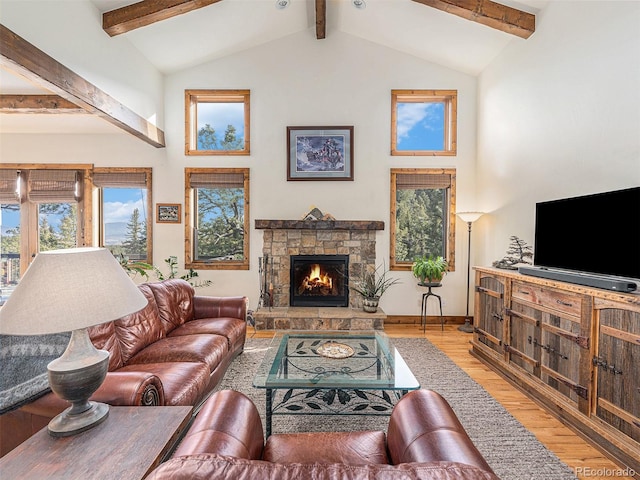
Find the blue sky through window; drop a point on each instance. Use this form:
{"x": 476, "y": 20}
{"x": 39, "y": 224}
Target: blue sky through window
{"x": 119, "y": 204}
{"x": 420, "y": 126}
{"x": 219, "y": 115}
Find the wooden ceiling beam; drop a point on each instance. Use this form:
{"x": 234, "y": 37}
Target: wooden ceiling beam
{"x": 321, "y": 19}
{"x": 146, "y": 12}
{"x": 23, "y": 58}
{"x": 492, "y": 14}
{"x": 37, "y": 104}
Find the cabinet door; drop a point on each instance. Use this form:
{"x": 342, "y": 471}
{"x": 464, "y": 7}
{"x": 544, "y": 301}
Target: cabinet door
{"x": 489, "y": 320}
{"x": 561, "y": 356}
{"x": 557, "y": 339}
{"x": 524, "y": 337}
{"x": 617, "y": 363}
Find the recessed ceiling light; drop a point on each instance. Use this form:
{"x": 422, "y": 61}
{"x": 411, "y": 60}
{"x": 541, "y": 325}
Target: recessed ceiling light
{"x": 359, "y": 4}
{"x": 280, "y": 4}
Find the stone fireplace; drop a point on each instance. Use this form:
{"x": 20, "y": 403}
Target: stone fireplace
{"x": 283, "y": 240}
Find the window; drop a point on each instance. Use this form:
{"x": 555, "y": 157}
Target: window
{"x": 124, "y": 210}
{"x": 40, "y": 209}
{"x": 422, "y": 215}
{"x": 217, "y": 218}
{"x": 217, "y": 122}
{"x": 423, "y": 122}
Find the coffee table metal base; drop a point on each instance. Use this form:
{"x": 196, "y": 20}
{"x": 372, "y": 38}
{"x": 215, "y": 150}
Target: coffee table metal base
{"x": 329, "y": 401}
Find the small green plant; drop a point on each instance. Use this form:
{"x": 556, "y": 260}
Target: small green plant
{"x": 374, "y": 284}
{"x": 143, "y": 269}
{"x": 429, "y": 269}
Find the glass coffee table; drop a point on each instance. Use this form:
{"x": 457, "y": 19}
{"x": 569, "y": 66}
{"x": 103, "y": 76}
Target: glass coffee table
{"x": 332, "y": 373}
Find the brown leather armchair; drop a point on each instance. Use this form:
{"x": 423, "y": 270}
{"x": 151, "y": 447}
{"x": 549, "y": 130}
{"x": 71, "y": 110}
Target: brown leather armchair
{"x": 425, "y": 440}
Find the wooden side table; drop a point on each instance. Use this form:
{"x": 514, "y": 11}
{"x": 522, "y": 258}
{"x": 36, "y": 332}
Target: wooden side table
{"x": 130, "y": 443}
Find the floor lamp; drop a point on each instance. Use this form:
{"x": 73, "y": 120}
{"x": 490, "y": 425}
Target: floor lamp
{"x": 468, "y": 217}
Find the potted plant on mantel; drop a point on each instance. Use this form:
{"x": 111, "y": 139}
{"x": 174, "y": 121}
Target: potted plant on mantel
{"x": 429, "y": 270}
{"x": 371, "y": 286}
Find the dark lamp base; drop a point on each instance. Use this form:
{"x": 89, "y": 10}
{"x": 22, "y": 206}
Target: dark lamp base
{"x": 467, "y": 327}
{"x": 67, "y": 424}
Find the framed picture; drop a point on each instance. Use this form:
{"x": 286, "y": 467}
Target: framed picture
{"x": 320, "y": 153}
{"x": 168, "y": 213}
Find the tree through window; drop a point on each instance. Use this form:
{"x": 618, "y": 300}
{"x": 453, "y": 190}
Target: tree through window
{"x": 217, "y": 218}
{"x": 422, "y": 215}
{"x": 124, "y": 211}
{"x": 217, "y": 122}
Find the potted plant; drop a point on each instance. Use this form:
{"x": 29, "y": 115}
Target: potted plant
{"x": 371, "y": 286}
{"x": 429, "y": 270}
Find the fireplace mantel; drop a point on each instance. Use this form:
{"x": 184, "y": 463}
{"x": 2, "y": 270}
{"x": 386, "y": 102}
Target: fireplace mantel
{"x": 319, "y": 225}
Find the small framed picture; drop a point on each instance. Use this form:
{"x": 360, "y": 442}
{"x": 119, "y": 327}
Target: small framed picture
{"x": 168, "y": 213}
{"x": 320, "y": 153}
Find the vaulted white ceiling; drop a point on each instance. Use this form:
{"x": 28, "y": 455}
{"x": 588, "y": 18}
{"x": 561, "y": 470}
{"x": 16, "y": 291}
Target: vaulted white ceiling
{"x": 230, "y": 26}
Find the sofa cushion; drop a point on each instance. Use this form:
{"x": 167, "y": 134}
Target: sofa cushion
{"x": 207, "y": 349}
{"x": 233, "y": 329}
{"x": 208, "y": 466}
{"x": 174, "y": 298}
{"x": 104, "y": 337}
{"x": 351, "y": 448}
{"x": 140, "y": 329}
{"x": 183, "y": 383}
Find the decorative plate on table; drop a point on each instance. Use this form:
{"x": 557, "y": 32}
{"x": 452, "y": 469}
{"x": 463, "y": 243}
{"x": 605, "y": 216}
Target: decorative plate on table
{"x": 335, "y": 350}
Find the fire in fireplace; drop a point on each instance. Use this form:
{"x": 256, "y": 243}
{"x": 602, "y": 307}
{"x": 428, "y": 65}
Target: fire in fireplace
{"x": 319, "y": 281}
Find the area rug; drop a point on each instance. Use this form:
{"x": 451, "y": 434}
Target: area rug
{"x": 512, "y": 451}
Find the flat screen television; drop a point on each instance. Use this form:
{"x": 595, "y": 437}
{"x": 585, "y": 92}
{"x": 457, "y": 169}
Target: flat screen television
{"x": 590, "y": 235}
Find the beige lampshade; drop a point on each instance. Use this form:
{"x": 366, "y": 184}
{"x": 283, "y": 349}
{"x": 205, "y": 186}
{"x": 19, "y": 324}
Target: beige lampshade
{"x": 65, "y": 290}
{"x": 469, "y": 217}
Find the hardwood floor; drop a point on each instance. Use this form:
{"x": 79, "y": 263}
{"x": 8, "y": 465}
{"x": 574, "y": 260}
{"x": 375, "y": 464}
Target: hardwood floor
{"x": 585, "y": 460}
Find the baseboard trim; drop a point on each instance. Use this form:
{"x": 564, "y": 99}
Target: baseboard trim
{"x": 431, "y": 320}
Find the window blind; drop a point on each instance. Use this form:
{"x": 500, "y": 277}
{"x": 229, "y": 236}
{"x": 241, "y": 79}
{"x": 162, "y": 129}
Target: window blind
{"x": 53, "y": 186}
{"x": 216, "y": 180}
{"x": 414, "y": 181}
{"x": 9, "y": 185}
{"x": 120, "y": 179}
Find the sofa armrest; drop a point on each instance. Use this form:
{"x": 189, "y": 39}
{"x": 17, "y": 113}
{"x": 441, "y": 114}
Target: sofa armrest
{"x": 227, "y": 424}
{"x": 216, "y": 307}
{"x": 130, "y": 389}
{"x": 424, "y": 428}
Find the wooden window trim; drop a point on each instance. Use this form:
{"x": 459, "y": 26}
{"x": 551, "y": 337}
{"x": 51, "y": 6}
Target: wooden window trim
{"x": 449, "y": 97}
{"x": 189, "y": 220}
{"x": 191, "y": 100}
{"x": 148, "y": 171}
{"x": 451, "y": 227}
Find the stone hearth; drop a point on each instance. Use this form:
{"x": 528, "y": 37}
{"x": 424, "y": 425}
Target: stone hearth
{"x": 318, "y": 318}
{"x": 283, "y": 238}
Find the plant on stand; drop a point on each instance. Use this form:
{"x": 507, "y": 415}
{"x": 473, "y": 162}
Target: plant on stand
{"x": 429, "y": 270}
{"x": 371, "y": 286}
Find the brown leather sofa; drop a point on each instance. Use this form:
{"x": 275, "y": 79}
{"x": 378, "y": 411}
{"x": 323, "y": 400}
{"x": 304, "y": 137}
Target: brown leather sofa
{"x": 172, "y": 352}
{"x": 425, "y": 440}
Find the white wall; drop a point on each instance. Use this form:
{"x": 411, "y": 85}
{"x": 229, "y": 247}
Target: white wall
{"x": 341, "y": 80}
{"x": 558, "y": 116}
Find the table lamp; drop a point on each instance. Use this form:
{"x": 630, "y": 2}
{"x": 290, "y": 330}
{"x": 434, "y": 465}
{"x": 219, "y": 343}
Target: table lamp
{"x": 468, "y": 217}
{"x": 70, "y": 290}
